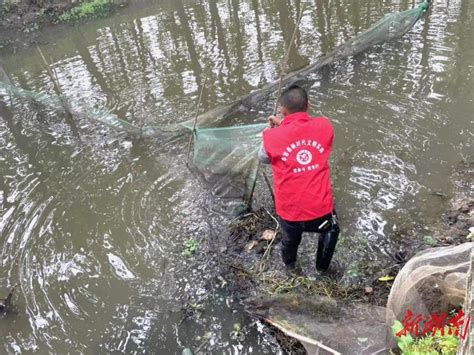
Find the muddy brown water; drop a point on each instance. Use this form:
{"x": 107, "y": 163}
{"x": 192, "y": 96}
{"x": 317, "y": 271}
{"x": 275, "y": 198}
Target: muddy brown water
{"x": 92, "y": 222}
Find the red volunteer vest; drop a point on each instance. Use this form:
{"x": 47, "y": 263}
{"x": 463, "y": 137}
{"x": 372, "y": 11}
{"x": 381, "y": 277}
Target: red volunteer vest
{"x": 299, "y": 150}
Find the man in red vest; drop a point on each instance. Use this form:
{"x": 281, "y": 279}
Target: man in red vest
{"x": 298, "y": 148}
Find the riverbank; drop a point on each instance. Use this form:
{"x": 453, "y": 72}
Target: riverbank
{"x": 22, "y": 23}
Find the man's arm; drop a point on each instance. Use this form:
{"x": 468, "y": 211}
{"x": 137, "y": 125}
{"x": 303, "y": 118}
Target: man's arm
{"x": 263, "y": 156}
{"x": 273, "y": 121}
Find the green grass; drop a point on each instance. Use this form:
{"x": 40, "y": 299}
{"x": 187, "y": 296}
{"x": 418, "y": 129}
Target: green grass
{"x": 445, "y": 344}
{"x": 87, "y": 10}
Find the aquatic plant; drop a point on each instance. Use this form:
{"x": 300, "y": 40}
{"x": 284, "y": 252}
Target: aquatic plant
{"x": 90, "y": 9}
{"x": 190, "y": 247}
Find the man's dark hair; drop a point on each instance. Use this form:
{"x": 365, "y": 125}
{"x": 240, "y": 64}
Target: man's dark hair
{"x": 294, "y": 99}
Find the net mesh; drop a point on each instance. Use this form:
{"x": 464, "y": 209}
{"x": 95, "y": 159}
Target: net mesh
{"x": 325, "y": 325}
{"x": 226, "y": 158}
{"x": 434, "y": 280}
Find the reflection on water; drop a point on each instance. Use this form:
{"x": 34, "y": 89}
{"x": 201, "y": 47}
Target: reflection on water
{"x": 92, "y": 223}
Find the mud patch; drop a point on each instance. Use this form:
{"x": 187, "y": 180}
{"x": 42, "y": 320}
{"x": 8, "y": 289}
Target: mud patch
{"x": 29, "y": 16}
{"x": 21, "y": 23}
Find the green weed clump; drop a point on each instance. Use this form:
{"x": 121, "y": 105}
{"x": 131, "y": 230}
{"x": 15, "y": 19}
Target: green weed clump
{"x": 428, "y": 345}
{"x": 190, "y": 247}
{"x": 90, "y": 9}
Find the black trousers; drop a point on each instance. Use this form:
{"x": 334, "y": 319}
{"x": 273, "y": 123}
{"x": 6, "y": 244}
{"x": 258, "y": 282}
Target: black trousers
{"x": 328, "y": 230}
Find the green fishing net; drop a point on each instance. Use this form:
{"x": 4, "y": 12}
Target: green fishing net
{"x": 225, "y": 158}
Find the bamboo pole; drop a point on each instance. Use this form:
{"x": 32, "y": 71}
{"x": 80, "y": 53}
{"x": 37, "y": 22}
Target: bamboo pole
{"x": 52, "y": 74}
{"x": 283, "y": 68}
{"x": 67, "y": 107}
{"x": 191, "y": 139}
{"x": 284, "y": 62}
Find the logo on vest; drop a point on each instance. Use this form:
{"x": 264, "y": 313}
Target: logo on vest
{"x": 304, "y": 157}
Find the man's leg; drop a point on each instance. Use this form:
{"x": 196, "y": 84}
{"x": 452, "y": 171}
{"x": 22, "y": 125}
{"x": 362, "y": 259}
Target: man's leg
{"x": 328, "y": 230}
{"x": 291, "y": 239}
{"x": 327, "y": 244}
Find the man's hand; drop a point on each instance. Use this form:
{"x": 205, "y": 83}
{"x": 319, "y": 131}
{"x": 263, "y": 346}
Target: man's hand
{"x": 274, "y": 121}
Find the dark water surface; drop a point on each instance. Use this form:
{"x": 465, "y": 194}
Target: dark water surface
{"x": 92, "y": 222}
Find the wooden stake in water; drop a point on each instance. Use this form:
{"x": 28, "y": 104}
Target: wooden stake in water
{"x": 191, "y": 139}
{"x": 284, "y": 62}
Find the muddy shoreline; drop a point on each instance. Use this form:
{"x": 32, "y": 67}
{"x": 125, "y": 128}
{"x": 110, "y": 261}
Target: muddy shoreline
{"x": 23, "y": 24}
